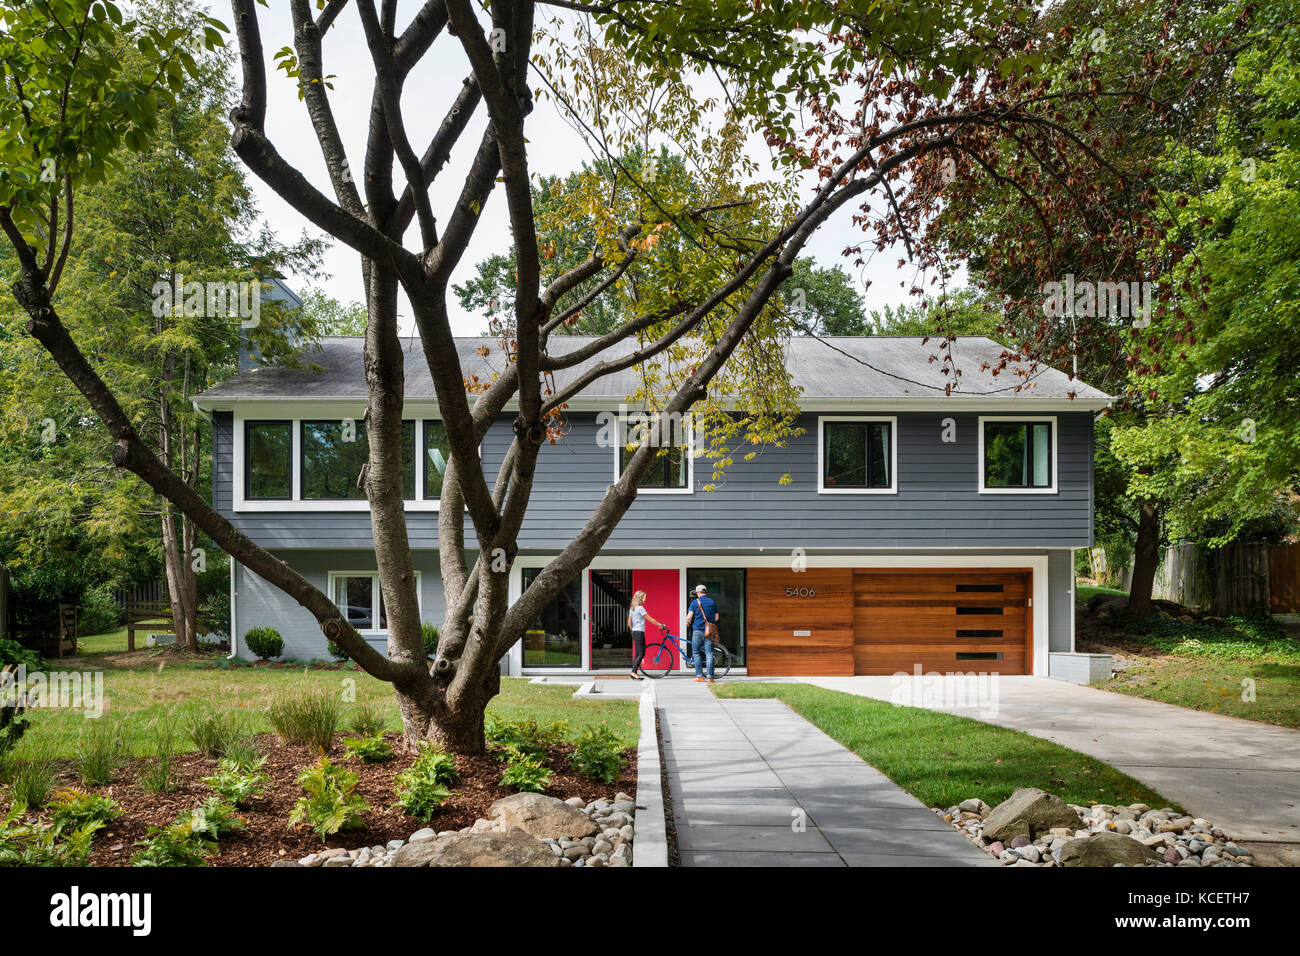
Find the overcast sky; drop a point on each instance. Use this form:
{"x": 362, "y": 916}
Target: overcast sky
{"x": 554, "y": 149}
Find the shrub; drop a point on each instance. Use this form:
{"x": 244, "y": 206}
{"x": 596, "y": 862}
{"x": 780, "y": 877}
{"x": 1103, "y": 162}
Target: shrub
{"x": 421, "y": 787}
{"x": 265, "y": 642}
{"x": 174, "y": 845}
{"x": 214, "y": 732}
{"x": 14, "y": 654}
{"x": 336, "y": 652}
{"x": 598, "y": 754}
{"x": 308, "y": 718}
{"x": 525, "y": 773}
{"x": 33, "y": 778}
{"x": 32, "y": 843}
{"x": 97, "y": 612}
{"x": 236, "y": 784}
{"x": 212, "y": 819}
{"x": 330, "y": 804}
{"x": 430, "y": 639}
{"x": 158, "y": 771}
{"x": 102, "y": 749}
{"x": 525, "y": 736}
{"x": 366, "y": 720}
{"x": 74, "y": 808}
{"x": 371, "y": 749}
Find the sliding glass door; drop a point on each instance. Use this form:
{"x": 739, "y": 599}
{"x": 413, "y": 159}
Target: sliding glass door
{"x": 727, "y": 588}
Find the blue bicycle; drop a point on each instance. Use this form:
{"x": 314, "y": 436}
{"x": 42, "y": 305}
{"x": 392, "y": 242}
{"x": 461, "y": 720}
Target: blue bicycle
{"x": 658, "y": 660}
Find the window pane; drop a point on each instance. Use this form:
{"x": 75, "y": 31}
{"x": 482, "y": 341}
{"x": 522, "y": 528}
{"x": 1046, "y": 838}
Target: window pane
{"x": 845, "y": 455}
{"x": 880, "y": 454}
{"x": 1042, "y": 455}
{"x": 437, "y": 452}
{"x": 268, "y": 447}
{"x": 1017, "y": 455}
{"x": 355, "y": 597}
{"x": 331, "y": 463}
{"x": 670, "y": 467}
{"x": 552, "y": 639}
{"x": 727, "y": 588}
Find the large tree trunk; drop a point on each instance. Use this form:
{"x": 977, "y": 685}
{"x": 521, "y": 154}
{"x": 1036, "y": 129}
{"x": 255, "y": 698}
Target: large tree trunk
{"x": 1146, "y": 558}
{"x": 452, "y": 722}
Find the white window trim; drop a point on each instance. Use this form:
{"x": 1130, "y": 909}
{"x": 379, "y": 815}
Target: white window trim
{"x": 296, "y": 502}
{"x": 689, "y": 423}
{"x": 1016, "y": 419}
{"x": 892, "y": 489}
{"x": 374, "y": 599}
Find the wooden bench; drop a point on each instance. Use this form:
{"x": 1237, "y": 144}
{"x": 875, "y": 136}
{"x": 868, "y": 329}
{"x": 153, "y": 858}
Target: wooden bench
{"x": 152, "y": 616}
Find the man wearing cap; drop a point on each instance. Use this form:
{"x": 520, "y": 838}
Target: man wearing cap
{"x": 702, "y": 612}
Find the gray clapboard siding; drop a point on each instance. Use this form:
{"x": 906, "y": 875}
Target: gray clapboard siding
{"x": 937, "y": 504}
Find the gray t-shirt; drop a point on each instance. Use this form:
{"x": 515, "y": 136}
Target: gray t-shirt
{"x": 638, "y": 614}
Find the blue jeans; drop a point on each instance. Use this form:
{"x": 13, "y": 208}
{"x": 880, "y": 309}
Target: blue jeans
{"x": 701, "y": 646}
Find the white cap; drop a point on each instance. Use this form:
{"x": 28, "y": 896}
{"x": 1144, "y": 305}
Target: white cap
{"x": 701, "y": 589}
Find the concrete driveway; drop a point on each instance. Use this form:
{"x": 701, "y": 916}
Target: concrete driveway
{"x": 1241, "y": 775}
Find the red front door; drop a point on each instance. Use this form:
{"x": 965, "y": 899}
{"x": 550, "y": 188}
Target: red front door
{"x": 662, "y": 600}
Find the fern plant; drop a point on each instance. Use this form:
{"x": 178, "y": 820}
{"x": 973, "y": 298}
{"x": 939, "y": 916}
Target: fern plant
{"x": 598, "y": 754}
{"x": 330, "y": 804}
{"x": 525, "y": 773}
{"x": 236, "y": 785}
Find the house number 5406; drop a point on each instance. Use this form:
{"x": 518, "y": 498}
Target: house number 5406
{"x": 800, "y": 592}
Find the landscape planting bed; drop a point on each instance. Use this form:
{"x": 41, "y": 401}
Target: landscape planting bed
{"x": 266, "y": 836}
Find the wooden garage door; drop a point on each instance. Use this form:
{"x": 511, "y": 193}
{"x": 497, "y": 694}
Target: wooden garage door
{"x": 942, "y": 620}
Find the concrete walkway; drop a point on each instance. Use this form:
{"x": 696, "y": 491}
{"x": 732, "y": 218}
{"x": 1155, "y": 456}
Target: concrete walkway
{"x": 754, "y": 784}
{"x": 1242, "y": 775}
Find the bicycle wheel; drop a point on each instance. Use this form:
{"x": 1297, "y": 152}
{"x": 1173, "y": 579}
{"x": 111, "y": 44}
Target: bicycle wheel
{"x": 658, "y": 661}
{"x": 721, "y": 661}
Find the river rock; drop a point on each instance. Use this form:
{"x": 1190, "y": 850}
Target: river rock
{"x": 1027, "y": 813}
{"x": 513, "y": 848}
{"x": 542, "y": 816}
{"x": 1107, "y": 849}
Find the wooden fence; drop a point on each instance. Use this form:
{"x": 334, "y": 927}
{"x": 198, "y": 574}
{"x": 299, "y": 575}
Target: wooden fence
{"x": 1235, "y": 579}
{"x": 1284, "y": 578}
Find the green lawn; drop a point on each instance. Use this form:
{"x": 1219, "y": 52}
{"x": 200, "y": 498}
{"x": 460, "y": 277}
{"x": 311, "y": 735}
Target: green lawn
{"x": 1083, "y": 592}
{"x": 140, "y": 696}
{"x": 942, "y": 759}
{"x": 1249, "y": 669}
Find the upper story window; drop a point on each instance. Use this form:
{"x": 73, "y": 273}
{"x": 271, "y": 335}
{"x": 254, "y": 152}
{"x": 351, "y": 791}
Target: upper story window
{"x": 333, "y": 454}
{"x": 268, "y": 460}
{"x": 670, "y": 471}
{"x": 857, "y": 455}
{"x": 314, "y": 464}
{"x": 1017, "y": 455}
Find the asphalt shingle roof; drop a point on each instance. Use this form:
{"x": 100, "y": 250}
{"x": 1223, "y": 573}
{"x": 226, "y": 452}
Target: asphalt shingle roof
{"x": 874, "y": 367}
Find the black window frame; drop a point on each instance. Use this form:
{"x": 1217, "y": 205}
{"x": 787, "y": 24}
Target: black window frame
{"x": 891, "y": 438}
{"x": 249, "y": 424}
{"x": 1027, "y": 461}
{"x": 685, "y": 439}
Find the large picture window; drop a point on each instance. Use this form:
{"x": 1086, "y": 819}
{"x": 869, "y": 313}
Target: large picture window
{"x": 671, "y": 468}
{"x": 333, "y": 454}
{"x": 553, "y": 639}
{"x": 857, "y": 455}
{"x": 1017, "y": 455}
{"x": 268, "y": 461}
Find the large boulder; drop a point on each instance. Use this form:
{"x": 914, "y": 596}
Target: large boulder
{"x": 477, "y": 849}
{"x": 1028, "y": 813}
{"x": 541, "y": 816}
{"x": 1106, "y": 849}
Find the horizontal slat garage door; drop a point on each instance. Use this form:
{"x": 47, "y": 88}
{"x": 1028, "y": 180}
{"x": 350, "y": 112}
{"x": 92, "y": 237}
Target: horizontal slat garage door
{"x": 941, "y": 620}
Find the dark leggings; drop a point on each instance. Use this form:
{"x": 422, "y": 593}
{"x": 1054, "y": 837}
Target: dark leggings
{"x": 638, "y": 649}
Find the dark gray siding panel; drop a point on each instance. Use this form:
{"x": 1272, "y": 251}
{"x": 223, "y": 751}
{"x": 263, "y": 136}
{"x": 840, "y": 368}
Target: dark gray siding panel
{"x": 937, "y": 505}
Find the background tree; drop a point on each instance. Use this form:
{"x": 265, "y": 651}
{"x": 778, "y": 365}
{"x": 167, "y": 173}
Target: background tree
{"x": 706, "y": 334}
{"x": 177, "y": 212}
{"x": 328, "y": 316}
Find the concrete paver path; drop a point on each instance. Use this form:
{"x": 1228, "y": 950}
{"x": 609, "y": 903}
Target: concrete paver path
{"x": 1241, "y": 775}
{"x": 754, "y": 784}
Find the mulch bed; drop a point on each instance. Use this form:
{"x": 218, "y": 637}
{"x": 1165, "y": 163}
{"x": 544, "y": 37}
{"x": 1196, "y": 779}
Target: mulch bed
{"x": 266, "y": 836}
